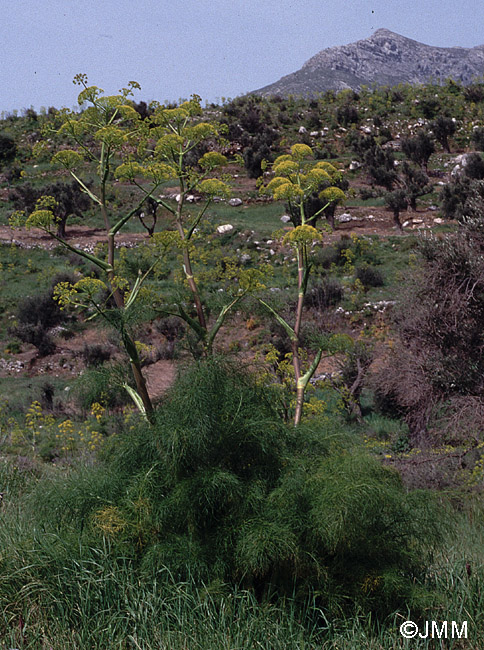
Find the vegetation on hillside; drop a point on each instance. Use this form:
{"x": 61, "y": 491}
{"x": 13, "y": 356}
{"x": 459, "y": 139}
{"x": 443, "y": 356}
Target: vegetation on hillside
{"x": 315, "y": 263}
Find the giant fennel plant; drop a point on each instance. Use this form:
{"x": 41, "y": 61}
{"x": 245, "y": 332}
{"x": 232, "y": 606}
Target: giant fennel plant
{"x": 110, "y": 135}
{"x": 296, "y": 178}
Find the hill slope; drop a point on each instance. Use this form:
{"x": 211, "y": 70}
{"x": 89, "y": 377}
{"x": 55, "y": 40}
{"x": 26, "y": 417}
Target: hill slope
{"x": 385, "y": 58}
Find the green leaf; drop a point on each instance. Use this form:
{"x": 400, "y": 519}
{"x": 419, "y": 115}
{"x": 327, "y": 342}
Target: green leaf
{"x": 280, "y": 320}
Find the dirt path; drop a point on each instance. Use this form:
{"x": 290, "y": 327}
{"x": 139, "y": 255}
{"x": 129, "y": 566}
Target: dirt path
{"x": 364, "y": 221}
{"x": 78, "y": 236}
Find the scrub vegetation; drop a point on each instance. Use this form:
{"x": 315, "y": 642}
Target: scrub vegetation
{"x": 241, "y": 369}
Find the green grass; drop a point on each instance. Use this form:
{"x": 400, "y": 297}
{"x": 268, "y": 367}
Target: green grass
{"x": 25, "y": 272}
{"x": 376, "y": 202}
{"x": 82, "y": 596}
{"x": 21, "y": 391}
{"x": 264, "y": 218}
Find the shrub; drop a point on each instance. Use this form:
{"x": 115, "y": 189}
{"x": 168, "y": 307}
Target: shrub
{"x": 478, "y": 138}
{"x": 369, "y": 276}
{"x": 439, "y": 356}
{"x": 40, "y": 310}
{"x": 474, "y": 167}
{"x": 47, "y": 391}
{"x": 35, "y": 317}
{"x": 419, "y": 148}
{"x": 71, "y": 200}
{"x": 443, "y": 128}
{"x": 104, "y": 385}
{"x": 347, "y": 114}
{"x": 38, "y": 336}
{"x": 8, "y": 150}
{"x": 324, "y": 295}
{"x": 219, "y": 489}
{"x": 96, "y": 354}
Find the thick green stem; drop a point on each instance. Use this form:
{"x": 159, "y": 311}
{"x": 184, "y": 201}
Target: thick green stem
{"x": 130, "y": 347}
{"x": 296, "y": 361}
{"x": 187, "y": 264}
{"x": 301, "y": 386}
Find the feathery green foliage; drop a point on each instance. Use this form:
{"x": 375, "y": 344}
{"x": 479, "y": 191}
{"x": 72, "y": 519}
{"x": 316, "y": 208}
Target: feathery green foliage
{"x": 218, "y": 489}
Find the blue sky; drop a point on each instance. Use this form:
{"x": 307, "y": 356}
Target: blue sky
{"x": 215, "y": 48}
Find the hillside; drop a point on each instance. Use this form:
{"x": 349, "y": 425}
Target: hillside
{"x": 242, "y": 369}
{"x": 384, "y": 59}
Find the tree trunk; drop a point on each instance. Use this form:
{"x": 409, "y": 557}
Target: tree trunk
{"x": 396, "y": 219}
{"x": 61, "y": 227}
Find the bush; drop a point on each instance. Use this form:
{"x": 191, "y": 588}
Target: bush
{"x": 8, "y": 150}
{"x": 219, "y": 489}
{"x": 95, "y": 355}
{"x": 439, "y": 356}
{"x": 35, "y": 317}
{"x": 38, "y": 336}
{"x": 474, "y": 167}
{"x": 324, "y": 295}
{"x": 104, "y": 385}
{"x": 369, "y": 276}
{"x": 347, "y": 114}
{"x": 478, "y": 138}
{"x": 39, "y": 310}
{"x": 419, "y": 148}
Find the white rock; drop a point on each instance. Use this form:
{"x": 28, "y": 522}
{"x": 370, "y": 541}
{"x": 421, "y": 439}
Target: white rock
{"x": 302, "y": 129}
{"x": 345, "y": 217}
{"x": 285, "y": 218}
{"x": 235, "y": 202}
{"x": 438, "y": 220}
{"x": 225, "y": 228}
{"x": 354, "y": 164}
{"x": 405, "y": 224}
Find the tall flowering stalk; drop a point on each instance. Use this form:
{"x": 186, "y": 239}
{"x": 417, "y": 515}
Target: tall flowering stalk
{"x": 98, "y": 135}
{"x": 171, "y": 137}
{"x": 296, "y": 178}
{"x": 110, "y": 134}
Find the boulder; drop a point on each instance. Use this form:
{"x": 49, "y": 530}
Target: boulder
{"x": 344, "y": 218}
{"x": 224, "y": 228}
{"x": 235, "y": 202}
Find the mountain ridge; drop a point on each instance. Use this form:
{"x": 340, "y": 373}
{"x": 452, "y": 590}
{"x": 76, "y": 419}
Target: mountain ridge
{"x": 383, "y": 59}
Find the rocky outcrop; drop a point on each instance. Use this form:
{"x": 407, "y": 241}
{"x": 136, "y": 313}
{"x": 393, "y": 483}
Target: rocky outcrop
{"x": 383, "y": 59}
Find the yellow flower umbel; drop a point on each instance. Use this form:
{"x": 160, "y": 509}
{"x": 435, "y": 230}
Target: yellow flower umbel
{"x": 297, "y": 178}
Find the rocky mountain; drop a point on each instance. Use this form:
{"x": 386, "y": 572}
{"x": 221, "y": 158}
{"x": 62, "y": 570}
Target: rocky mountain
{"x": 383, "y": 59}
